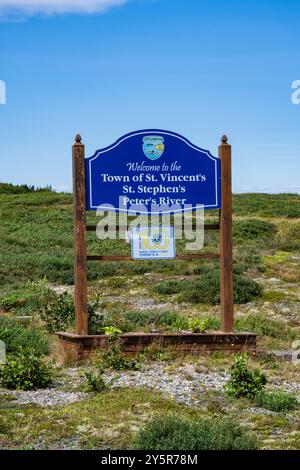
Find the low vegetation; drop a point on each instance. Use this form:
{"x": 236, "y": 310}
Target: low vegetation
{"x": 16, "y": 335}
{"x": 244, "y": 382}
{"x": 173, "y": 433}
{"x": 36, "y": 244}
{"x": 95, "y": 381}
{"x": 276, "y": 401}
{"x": 25, "y": 371}
{"x": 206, "y": 288}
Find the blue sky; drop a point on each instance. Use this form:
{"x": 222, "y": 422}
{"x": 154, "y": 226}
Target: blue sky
{"x": 199, "y": 68}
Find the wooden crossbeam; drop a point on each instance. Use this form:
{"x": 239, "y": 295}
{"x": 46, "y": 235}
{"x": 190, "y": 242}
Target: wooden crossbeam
{"x": 129, "y": 258}
{"x": 118, "y": 228}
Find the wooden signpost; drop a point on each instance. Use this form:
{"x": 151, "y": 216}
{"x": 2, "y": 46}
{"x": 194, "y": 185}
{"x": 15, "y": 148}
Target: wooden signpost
{"x": 81, "y": 344}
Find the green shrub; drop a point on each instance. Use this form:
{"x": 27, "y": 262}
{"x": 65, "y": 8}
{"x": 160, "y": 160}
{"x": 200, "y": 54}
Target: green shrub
{"x": 174, "y": 433}
{"x": 244, "y": 382}
{"x": 95, "y": 319}
{"x": 276, "y": 401}
{"x": 202, "y": 324}
{"x": 252, "y": 229}
{"x": 113, "y": 358}
{"x": 95, "y": 381}
{"x": 16, "y": 335}
{"x": 206, "y": 289}
{"x": 168, "y": 287}
{"x": 203, "y": 269}
{"x": 118, "y": 319}
{"x": 111, "y": 330}
{"x": 25, "y": 371}
{"x": 155, "y": 352}
{"x": 59, "y": 313}
{"x": 245, "y": 289}
{"x": 179, "y": 324}
{"x": 105, "y": 269}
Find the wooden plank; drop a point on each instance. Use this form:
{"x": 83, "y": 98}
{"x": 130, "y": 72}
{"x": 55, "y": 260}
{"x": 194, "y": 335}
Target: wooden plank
{"x": 226, "y": 283}
{"x": 129, "y": 258}
{"x": 82, "y": 347}
{"x": 92, "y": 228}
{"x": 80, "y": 255}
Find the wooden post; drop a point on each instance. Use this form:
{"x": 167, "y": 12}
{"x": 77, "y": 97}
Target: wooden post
{"x": 80, "y": 265}
{"x": 226, "y": 284}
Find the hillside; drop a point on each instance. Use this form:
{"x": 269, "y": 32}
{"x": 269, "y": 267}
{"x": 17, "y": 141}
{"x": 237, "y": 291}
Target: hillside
{"x": 36, "y": 246}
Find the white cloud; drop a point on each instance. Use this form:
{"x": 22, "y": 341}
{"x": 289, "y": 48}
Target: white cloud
{"x": 51, "y": 7}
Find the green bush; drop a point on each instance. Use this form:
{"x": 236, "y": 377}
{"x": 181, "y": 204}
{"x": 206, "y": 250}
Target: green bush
{"x": 168, "y": 287}
{"x": 206, "y": 289}
{"x": 276, "y": 401}
{"x": 244, "y": 382}
{"x": 95, "y": 381}
{"x": 25, "y": 371}
{"x": 95, "y": 319}
{"x": 203, "y": 269}
{"x": 113, "y": 358}
{"x": 252, "y": 229}
{"x": 111, "y": 330}
{"x": 245, "y": 289}
{"x": 17, "y": 335}
{"x": 59, "y": 314}
{"x": 204, "y": 323}
{"x": 179, "y": 324}
{"x": 174, "y": 433}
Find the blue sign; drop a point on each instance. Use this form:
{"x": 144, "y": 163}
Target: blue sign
{"x": 152, "y": 171}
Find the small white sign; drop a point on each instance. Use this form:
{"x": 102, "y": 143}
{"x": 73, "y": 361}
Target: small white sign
{"x": 152, "y": 243}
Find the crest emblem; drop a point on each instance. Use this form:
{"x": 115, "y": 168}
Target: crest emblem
{"x": 153, "y": 146}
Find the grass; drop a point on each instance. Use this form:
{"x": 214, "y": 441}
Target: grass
{"x": 276, "y": 401}
{"x": 267, "y": 205}
{"x": 36, "y": 238}
{"x": 36, "y": 245}
{"x": 109, "y": 420}
{"x": 17, "y": 335}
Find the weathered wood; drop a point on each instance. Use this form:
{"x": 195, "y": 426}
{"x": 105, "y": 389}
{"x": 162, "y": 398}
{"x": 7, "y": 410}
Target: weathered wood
{"x": 129, "y": 258}
{"x": 79, "y": 348}
{"x": 80, "y": 255}
{"x": 118, "y": 228}
{"x": 226, "y": 283}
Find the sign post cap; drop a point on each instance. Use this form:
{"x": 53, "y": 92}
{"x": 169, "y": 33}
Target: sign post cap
{"x": 224, "y": 139}
{"x": 78, "y": 139}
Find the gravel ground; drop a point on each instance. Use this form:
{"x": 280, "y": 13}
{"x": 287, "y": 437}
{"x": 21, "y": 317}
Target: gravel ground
{"x": 46, "y": 397}
{"x": 185, "y": 385}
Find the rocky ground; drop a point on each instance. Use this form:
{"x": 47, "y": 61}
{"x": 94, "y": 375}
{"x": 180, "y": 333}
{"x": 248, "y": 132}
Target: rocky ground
{"x": 185, "y": 384}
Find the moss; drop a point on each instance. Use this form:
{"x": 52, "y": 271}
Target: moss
{"x": 273, "y": 296}
{"x": 94, "y": 423}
